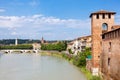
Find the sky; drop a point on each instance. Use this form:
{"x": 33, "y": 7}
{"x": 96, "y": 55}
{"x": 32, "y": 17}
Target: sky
{"x": 51, "y": 19}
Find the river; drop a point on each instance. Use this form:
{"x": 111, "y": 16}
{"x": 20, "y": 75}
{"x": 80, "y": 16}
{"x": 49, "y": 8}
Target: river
{"x": 37, "y": 67}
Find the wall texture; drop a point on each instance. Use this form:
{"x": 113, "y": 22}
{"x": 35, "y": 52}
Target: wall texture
{"x": 110, "y": 57}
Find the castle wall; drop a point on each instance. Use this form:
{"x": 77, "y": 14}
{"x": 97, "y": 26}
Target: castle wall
{"x": 110, "y": 57}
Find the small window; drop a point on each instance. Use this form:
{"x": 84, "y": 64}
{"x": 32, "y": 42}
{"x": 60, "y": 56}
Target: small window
{"x": 74, "y": 47}
{"x": 108, "y": 61}
{"x": 109, "y": 46}
{"x": 97, "y": 16}
{"x": 109, "y": 16}
{"x": 98, "y": 56}
{"x": 103, "y": 36}
{"x": 104, "y": 26}
{"x": 103, "y": 16}
{"x": 78, "y": 47}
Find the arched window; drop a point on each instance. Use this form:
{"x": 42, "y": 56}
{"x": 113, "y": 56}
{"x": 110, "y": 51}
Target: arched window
{"x": 104, "y": 26}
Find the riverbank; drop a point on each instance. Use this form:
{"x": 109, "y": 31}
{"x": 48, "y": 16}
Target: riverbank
{"x": 70, "y": 58}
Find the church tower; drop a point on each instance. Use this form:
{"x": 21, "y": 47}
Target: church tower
{"x": 101, "y": 21}
{"x": 42, "y": 41}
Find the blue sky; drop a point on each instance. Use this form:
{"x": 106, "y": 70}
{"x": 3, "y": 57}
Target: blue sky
{"x": 52, "y": 19}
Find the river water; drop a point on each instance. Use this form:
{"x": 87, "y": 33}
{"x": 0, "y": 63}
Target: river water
{"x": 37, "y": 67}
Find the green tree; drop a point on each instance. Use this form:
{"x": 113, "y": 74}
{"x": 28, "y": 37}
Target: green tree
{"x": 20, "y": 46}
{"x": 70, "y": 51}
{"x": 80, "y": 59}
{"x": 60, "y": 46}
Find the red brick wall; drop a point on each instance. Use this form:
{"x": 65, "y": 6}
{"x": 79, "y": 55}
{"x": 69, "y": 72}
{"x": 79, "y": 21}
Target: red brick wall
{"x": 111, "y": 70}
{"x": 96, "y": 27}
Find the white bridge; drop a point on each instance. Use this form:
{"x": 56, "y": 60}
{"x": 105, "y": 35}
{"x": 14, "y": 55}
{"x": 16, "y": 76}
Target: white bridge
{"x": 19, "y": 51}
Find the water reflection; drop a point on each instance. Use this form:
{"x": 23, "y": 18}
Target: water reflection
{"x": 1, "y": 54}
{"x": 36, "y": 67}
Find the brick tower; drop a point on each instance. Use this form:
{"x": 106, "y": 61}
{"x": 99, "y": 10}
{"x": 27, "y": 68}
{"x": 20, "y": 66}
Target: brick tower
{"x": 101, "y": 21}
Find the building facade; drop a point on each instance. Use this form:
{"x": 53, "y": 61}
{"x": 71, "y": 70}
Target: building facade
{"x": 101, "y": 22}
{"x": 110, "y": 57}
{"x": 79, "y": 44}
{"x": 74, "y": 46}
{"x": 36, "y": 46}
{"x": 86, "y": 41}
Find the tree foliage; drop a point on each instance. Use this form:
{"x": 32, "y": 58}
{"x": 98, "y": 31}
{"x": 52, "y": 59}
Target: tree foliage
{"x": 22, "y": 46}
{"x": 95, "y": 78}
{"x": 70, "y": 51}
{"x": 59, "y": 46}
{"x": 80, "y": 59}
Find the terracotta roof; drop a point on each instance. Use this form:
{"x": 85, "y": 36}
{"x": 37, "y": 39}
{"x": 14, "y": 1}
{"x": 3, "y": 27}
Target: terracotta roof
{"x": 84, "y": 37}
{"x": 102, "y": 12}
{"x": 104, "y": 31}
{"x": 115, "y": 26}
{"x": 111, "y": 31}
{"x": 71, "y": 43}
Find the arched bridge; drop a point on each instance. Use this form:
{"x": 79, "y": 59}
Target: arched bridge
{"x": 20, "y": 51}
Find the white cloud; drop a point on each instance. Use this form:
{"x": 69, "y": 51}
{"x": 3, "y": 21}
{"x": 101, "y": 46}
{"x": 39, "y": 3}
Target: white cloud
{"x": 40, "y": 21}
{"x": 40, "y": 25}
{"x": 13, "y": 33}
{"x": 2, "y": 10}
{"x": 34, "y": 3}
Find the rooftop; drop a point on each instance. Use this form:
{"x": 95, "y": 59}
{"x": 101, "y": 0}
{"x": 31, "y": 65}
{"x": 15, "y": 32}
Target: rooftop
{"x": 111, "y": 31}
{"x": 102, "y": 12}
{"x": 84, "y": 37}
{"x": 115, "y": 27}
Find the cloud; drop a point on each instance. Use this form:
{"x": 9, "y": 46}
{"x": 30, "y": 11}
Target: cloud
{"x": 34, "y": 3}
{"x": 13, "y": 33}
{"x": 39, "y": 25}
{"x": 41, "y": 21}
{"x": 2, "y": 10}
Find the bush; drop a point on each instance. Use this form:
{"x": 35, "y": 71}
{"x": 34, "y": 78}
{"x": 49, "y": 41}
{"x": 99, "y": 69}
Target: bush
{"x": 95, "y": 78}
{"x": 60, "y": 46}
{"x": 70, "y": 51}
{"x": 80, "y": 59}
{"x": 22, "y": 46}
